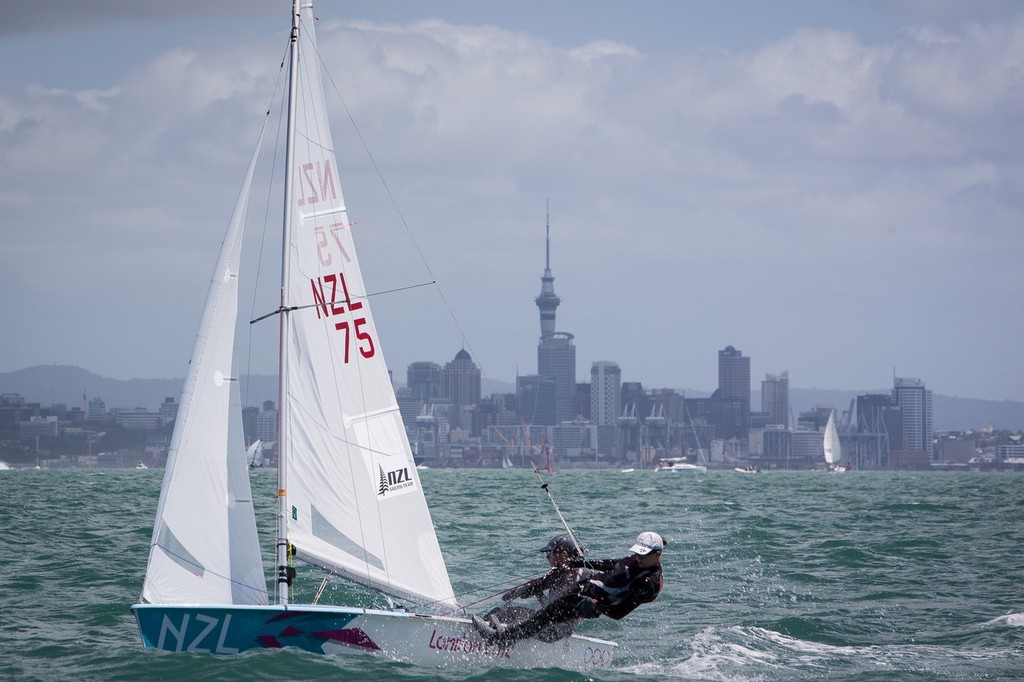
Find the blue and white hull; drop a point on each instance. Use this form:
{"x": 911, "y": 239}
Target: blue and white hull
{"x": 412, "y": 638}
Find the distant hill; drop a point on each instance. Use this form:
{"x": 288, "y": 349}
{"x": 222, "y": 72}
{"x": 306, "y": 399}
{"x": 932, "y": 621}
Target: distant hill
{"x": 49, "y": 384}
{"x": 64, "y": 384}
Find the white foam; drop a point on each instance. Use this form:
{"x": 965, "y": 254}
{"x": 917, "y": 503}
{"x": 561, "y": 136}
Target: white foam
{"x": 1015, "y": 620}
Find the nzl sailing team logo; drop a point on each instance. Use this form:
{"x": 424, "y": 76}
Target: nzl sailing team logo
{"x": 394, "y": 481}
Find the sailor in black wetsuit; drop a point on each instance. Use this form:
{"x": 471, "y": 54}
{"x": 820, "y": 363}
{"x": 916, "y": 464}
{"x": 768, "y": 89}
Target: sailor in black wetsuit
{"x": 562, "y": 577}
{"x": 617, "y": 591}
{"x": 566, "y": 572}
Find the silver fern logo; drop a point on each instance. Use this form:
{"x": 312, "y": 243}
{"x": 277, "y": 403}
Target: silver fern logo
{"x": 394, "y": 481}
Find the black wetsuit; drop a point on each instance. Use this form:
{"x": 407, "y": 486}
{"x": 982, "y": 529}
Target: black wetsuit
{"x": 559, "y": 581}
{"x": 621, "y": 587}
{"x": 555, "y": 583}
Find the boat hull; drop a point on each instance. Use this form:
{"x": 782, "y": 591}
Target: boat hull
{"x": 412, "y": 638}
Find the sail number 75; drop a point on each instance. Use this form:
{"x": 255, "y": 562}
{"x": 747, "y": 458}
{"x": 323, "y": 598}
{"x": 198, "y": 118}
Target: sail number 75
{"x": 331, "y": 299}
{"x": 363, "y": 338}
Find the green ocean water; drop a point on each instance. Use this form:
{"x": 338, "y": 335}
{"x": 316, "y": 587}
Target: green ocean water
{"x": 773, "y": 576}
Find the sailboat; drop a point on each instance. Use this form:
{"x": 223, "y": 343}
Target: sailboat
{"x": 349, "y": 498}
{"x": 254, "y": 454}
{"x": 832, "y": 448}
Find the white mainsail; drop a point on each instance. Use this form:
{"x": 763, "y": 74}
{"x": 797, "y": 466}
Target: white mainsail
{"x": 203, "y": 549}
{"x": 833, "y": 451}
{"x": 355, "y": 505}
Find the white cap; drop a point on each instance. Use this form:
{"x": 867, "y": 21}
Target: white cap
{"x": 646, "y": 543}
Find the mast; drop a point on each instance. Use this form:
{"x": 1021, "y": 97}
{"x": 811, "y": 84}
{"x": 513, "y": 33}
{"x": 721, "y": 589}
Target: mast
{"x": 282, "y": 404}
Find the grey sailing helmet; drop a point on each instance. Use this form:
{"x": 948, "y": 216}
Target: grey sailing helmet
{"x": 560, "y": 543}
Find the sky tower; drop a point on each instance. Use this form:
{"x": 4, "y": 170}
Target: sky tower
{"x": 547, "y": 302}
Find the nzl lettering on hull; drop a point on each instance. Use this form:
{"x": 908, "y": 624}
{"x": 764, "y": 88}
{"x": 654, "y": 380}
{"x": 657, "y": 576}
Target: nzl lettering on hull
{"x": 233, "y": 630}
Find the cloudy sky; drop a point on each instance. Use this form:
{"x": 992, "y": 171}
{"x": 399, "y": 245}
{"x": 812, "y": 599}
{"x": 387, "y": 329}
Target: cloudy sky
{"x": 834, "y": 188}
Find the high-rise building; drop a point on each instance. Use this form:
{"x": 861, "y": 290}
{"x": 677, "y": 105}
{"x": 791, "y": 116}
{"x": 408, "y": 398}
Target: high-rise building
{"x": 460, "y": 385}
{"x": 97, "y": 411}
{"x": 915, "y": 402}
{"x": 605, "y": 392}
{"x": 535, "y": 399}
{"x": 424, "y": 380}
{"x": 734, "y": 374}
{"x": 556, "y": 354}
{"x": 556, "y": 358}
{"x": 266, "y": 422}
{"x": 775, "y": 398}
{"x": 730, "y": 404}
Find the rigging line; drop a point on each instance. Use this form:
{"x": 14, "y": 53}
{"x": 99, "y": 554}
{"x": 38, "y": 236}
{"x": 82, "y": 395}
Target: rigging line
{"x": 186, "y": 560}
{"x": 266, "y": 208}
{"x": 346, "y": 301}
{"x": 544, "y": 486}
{"x": 401, "y": 216}
{"x": 490, "y": 595}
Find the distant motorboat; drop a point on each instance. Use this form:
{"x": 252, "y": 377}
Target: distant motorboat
{"x": 628, "y": 471}
{"x": 747, "y": 470}
{"x": 679, "y": 464}
{"x": 141, "y": 465}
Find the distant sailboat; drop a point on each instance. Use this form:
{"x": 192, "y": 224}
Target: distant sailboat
{"x": 254, "y": 455}
{"x": 830, "y": 442}
{"x": 349, "y": 498}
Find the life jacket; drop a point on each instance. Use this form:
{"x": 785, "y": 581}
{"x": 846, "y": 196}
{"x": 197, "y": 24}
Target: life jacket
{"x": 624, "y": 587}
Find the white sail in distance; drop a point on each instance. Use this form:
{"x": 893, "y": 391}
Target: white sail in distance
{"x": 833, "y": 450}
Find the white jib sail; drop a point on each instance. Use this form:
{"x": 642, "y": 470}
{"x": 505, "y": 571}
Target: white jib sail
{"x": 355, "y": 503}
{"x": 205, "y": 548}
{"x": 833, "y": 451}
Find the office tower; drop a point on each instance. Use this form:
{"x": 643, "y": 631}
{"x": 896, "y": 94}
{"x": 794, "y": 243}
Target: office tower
{"x": 775, "y": 398}
{"x": 915, "y": 402}
{"x": 266, "y": 422}
{"x": 97, "y": 410}
{"x": 535, "y": 399}
{"x": 583, "y": 401}
{"x": 424, "y": 381}
{"x": 556, "y": 358}
{"x": 730, "y": 403}
{"x": 605, "y": 393}
{"x": 460, "y": 382}
{"x": 734, "y": 374}
{"x": 556, "y": 354}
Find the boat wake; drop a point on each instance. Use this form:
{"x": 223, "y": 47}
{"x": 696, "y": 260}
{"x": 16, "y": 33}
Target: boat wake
{"x": 754, "y": 653}
{"x": 1014, "y": 620}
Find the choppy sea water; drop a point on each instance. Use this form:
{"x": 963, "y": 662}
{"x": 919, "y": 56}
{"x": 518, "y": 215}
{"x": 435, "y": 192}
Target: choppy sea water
{"x": 771, "y": 576}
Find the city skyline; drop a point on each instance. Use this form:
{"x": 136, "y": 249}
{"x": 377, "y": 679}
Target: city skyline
{"x": 831, "y": 187}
